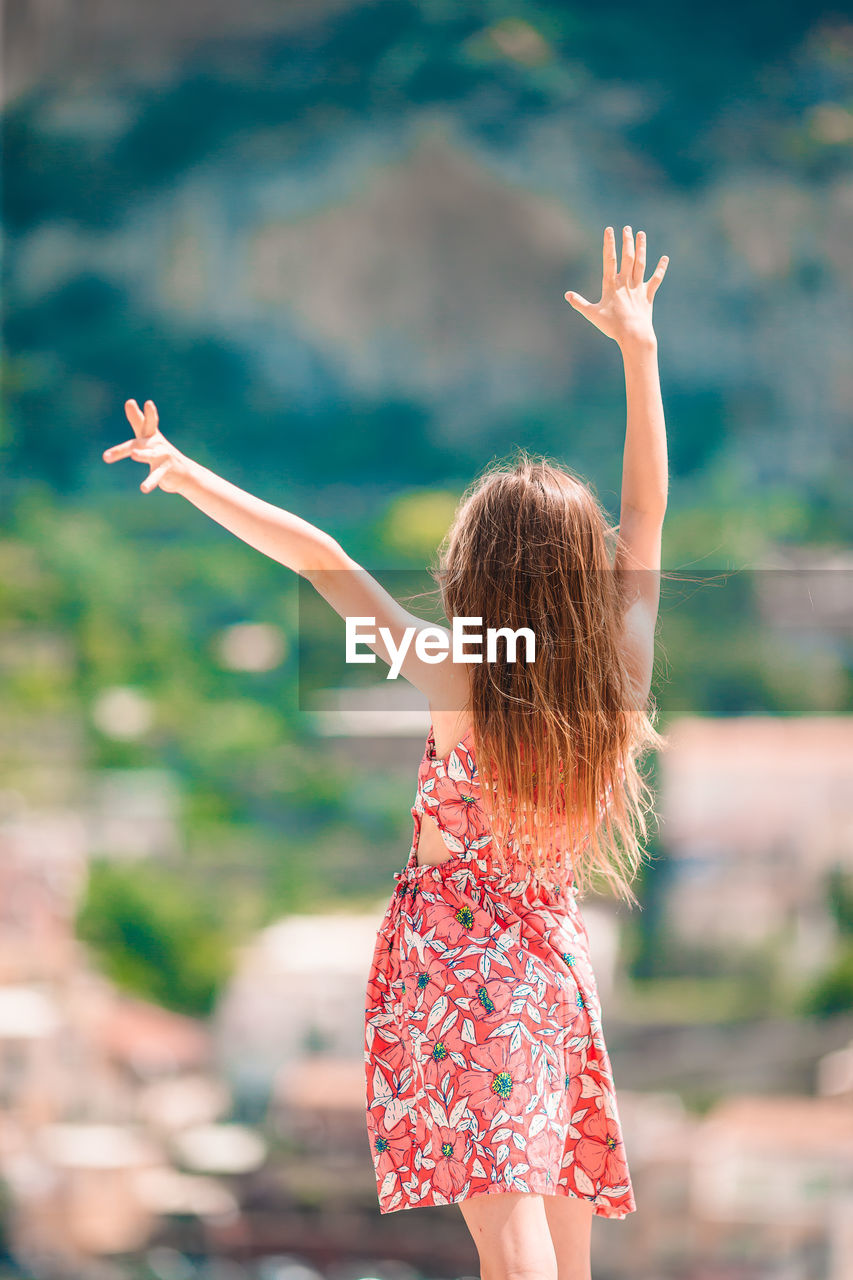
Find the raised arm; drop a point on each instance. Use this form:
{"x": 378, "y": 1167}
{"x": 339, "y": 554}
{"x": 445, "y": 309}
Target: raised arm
{"x": 625, "y": 315}
{"x": 293, "y": 542}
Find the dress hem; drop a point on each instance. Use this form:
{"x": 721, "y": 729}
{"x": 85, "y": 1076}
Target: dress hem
{"x": 610, "y": 1212}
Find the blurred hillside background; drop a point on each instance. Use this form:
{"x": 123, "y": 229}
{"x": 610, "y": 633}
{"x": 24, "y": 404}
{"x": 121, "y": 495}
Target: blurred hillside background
{"x": 331, "y": 241}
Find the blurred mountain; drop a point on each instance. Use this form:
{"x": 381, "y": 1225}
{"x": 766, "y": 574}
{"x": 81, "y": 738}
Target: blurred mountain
{"x": 49, "y": 39}
{"x": 338, "y": 235}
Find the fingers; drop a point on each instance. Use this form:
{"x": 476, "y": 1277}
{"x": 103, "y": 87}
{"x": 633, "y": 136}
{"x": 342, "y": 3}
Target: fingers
{"x": 154, "y": 479}
{"x": 134, "y": 416}
{"x": 117, "y": 451}
{"x": 639, "y": 259}
{"x": 151, "y": 417}
{"x": 132, "y": 449}
{"x": 145, "y": 427}
{"x": 609, "y": 273}
{"x": 654, "y": 280}
{"x": 578, "y": 302}
{"x": 144, "y": 424}
{"x": 627, "y": 270}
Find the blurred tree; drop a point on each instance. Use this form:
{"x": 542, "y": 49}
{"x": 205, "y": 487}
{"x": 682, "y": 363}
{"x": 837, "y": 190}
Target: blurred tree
{"x": 839, "y": 893}
{"x": 153, "y": 937}
{"x": 832, "y": 993}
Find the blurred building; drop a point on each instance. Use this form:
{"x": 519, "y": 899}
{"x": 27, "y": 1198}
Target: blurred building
{"x": 322, "y": 1102}
{"x": 756, "y": 811}
{"x": 108, "y": 1105}
{"x": 757, "y": 1185}
{"x": 43, "y": 864}
{"x": 774, "y": 1176}
{"x": 834, "y": 1076}
{"x": 133, "y": 813}
{"x": 298, "y": 989}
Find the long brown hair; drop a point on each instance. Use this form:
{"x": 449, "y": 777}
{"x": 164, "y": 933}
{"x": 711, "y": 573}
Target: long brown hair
{"x": 560, "y": 736}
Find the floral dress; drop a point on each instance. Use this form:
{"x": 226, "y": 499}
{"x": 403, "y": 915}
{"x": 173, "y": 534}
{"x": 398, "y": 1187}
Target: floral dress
{"x": 485, "y": 1063}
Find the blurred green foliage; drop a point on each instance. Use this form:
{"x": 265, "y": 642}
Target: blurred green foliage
{"x": 832, "y": 992}
{"x": 154, "y": 938}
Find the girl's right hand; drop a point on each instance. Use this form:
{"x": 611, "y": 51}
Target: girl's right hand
{"x": 169, "y": 467}
{"x": 625, "y": 310}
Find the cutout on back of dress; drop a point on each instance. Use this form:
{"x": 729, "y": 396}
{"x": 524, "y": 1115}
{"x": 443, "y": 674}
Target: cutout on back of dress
{"x": 448, "y": 794}
{"x": 434, "y": 844}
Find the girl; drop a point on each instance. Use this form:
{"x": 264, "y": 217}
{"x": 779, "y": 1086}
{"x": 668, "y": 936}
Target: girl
{"x": 488, "y": 1082}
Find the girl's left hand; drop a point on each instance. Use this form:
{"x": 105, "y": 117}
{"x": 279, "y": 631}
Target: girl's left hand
{"x": 625, "y": 310}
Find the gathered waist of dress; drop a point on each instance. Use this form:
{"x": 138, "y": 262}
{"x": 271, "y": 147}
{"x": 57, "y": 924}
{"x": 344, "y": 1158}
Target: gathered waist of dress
{"x": 463, "y": 870}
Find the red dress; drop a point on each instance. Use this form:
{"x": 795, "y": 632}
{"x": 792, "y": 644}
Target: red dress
{"x": 485, "y": 1063}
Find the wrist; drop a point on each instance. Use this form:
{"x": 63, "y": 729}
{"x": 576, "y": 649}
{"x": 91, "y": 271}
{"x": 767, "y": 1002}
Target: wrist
{"x": 188, "y": 476}
{"x": 644, "y": 340}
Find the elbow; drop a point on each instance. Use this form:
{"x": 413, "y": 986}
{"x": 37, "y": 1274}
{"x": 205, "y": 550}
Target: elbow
{"x": 653, "y": 509}
{"x": 324, "y": 557}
